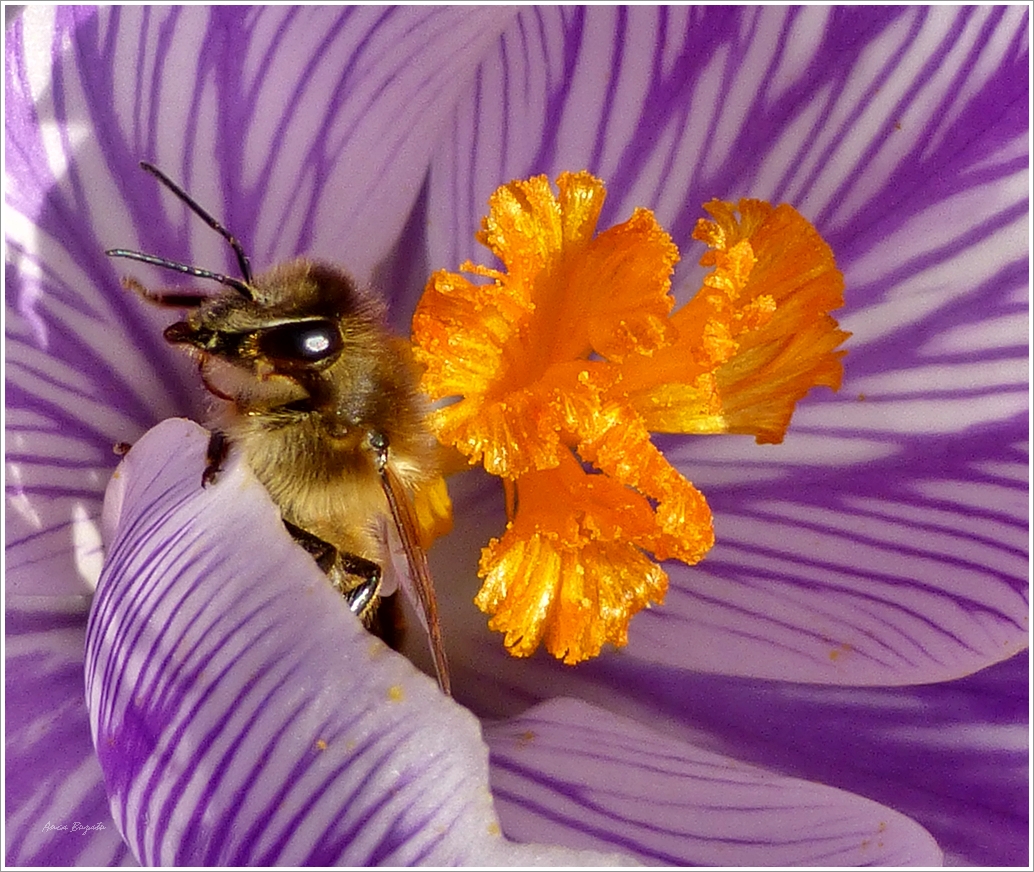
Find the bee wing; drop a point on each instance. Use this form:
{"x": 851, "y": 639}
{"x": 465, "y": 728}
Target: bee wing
{"x": 419, "y": 572}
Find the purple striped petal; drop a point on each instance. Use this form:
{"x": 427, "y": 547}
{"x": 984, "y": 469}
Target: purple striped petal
{"x": 310, "y": 129}
{"x": 56, "y": 808}
{"x": 614, "y": 783}
{"x": 953, "y": 756}
{"x": 885, "y": 541}
{"x": 241, "y": 714}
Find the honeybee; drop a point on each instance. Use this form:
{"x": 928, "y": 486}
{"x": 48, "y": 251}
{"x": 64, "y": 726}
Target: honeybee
{"x": 322, "y": 401}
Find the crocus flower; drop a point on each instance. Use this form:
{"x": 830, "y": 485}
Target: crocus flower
{"x": 860, "y": 622}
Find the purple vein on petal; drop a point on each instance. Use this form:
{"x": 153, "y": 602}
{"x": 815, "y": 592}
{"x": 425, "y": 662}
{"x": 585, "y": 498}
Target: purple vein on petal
{"x": 253, "y": 826}
{"x": 157, "y": 700}
{"x": 337, "y": 835}
{"x": 899, "y": 573}
{"x": 51, "y": 774}
{"x": 817, "y": 575}
{"x": 828, "y": 139}
{"x": 672, "y": 803}
{"x": 607, "y": 104}
{"x": 953, "y": 755}
{"x": 247, "y": 106}
{"x": 162, "y": 780}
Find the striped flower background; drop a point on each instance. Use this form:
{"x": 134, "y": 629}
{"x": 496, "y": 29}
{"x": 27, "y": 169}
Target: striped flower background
{"x": 842, "y": 681}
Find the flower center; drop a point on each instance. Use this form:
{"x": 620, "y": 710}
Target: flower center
{"x": 562, "y": 363}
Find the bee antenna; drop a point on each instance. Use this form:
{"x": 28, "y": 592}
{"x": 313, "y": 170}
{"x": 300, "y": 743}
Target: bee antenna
{"x": 195, "y": 207}
{"x": 229, "y": 281}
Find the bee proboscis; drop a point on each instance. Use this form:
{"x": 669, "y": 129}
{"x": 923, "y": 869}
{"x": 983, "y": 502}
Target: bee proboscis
{"x": 323, "y": 403}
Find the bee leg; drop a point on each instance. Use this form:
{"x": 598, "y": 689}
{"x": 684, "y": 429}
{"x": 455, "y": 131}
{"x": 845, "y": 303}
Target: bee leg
{"x": 361, "y": 599}
{"x": 341, "y": 568}
{"x": 218, "y": 448}
{"x": 322, "y": 552}
{"x": 121, "y": 449}
{"x": 387, "y": 622}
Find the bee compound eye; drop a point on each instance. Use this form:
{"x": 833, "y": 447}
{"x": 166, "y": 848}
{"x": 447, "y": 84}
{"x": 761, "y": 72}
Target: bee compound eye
{"x": 307, "y": 343}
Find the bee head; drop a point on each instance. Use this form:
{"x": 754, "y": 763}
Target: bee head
{"x": 296, "y": 319}
{"x": 290, "y": 338}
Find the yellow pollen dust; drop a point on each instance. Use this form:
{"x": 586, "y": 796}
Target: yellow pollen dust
{"x": 560, "y": 366}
